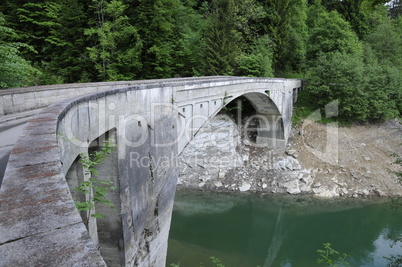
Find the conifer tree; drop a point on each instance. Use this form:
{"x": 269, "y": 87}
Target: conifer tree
{"x": 285, "y": 23}
{"x": 156, "y": 25}
{"x": 221, "y": 39}
{"x": 56, "y": 31}
{"x": 191, "y": 24}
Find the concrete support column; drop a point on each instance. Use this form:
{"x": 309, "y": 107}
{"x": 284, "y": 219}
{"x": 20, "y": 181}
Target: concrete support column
{"x": 270, "y": 132}
{"x": 91, "y": 221}
{"x": 109, "y": 227}
{"x": 74, "y": 177}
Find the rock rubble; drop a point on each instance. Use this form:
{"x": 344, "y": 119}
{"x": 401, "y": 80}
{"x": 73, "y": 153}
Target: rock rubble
{"x": 218, "y": 159}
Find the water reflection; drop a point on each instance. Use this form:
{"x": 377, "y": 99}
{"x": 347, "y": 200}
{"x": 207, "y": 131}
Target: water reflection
{"x": 384, "y": 248}
{"x": 249, "y": 230}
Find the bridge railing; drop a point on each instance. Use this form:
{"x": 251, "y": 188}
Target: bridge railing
{"x": 16, "y": 100}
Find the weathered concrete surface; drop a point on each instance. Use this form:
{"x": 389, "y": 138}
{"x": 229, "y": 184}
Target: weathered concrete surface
{"x": 37, "y": 212}
{"x": 146, "y": 187}
{"x": 18, "y": 100}
{"x": 69, "y": 246}
{"x": 36, "y": 203}
{"x": 272, "y": 99}
{"x": 10, "y": 129}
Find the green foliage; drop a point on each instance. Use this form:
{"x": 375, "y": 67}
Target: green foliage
{"x": 155, "y": 22}
{"x": 303, "y": 108}
{"x": 339, "y": 77}
{"x": 386, "y": 43}
{"x": 383, "y": 89}
{"x": 356, "y": 12}
{"x": 352, "y": 12}
{"x": 39, "y": 20}
{"x": 55, "y": 29}
{"x": 367, "y": 85}
{"x": 102, "y": 40}
{"x": 64, "y": 55}
{"x": 100, "y": 192}
{"x": 330, "y": 33}
{"x": 295, "y": 56}
{"x": 117, "y": 50}
{"x": 15, "y": 71}
{"x": 41, "y": 28}
{"x": 217, "y": 262}
{"x": 285, "y": 23}
{"x": 188, "y": 50}
{"x": 365, "y": 92}
{"x": 248, "y": 17}
{"x": 259, "y": 62}
{"x": 331, "y": 257}
{"x": 221, "y": 39}
{"x": 89, "y": 162}
{"x": 96, "y": 189}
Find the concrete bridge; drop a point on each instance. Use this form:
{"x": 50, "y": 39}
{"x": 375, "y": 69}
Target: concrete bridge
{"x": 151, "y": 122}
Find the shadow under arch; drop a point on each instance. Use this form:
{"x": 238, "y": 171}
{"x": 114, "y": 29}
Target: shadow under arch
{"x": 267, "y": 121}
{"x": 105, "y": 231}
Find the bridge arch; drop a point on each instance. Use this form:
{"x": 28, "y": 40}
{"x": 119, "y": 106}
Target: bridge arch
{"x": 270, "y": 130}
{"x": 37, "y": 208}
{"x": 273, "y": 122}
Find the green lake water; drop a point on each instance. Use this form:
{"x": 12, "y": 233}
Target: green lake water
{"x": 252, "y": 230}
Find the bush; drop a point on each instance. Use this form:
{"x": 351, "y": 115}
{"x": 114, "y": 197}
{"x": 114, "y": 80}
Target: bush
{"x": 364, "y": 92}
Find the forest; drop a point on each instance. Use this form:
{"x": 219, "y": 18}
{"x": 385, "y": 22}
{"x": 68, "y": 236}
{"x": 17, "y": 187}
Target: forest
{"x": 344, "y": 50}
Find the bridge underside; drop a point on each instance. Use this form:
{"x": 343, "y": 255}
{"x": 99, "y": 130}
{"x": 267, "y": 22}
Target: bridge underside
{"x": 270, "y": 129}
{"x": 267, "y": 121}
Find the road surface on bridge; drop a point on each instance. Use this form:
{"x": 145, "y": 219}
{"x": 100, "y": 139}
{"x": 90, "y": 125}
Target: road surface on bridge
{"x": 10, "y": 129}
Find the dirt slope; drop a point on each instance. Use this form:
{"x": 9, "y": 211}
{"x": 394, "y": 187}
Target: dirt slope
{"x": 357, "y": 157}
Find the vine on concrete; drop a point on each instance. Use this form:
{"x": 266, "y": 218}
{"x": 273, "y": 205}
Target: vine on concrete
{"x": 99, "y": 188}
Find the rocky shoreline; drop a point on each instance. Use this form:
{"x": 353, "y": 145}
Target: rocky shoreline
{"x": 218, "y": 158}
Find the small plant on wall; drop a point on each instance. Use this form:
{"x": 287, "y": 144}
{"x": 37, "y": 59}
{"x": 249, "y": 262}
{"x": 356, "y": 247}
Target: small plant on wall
{"x": 96, "y": 189}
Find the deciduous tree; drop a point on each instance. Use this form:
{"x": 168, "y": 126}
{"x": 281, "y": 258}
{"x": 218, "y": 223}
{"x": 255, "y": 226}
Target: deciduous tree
{"x": 117, "y": 44}
{"x": 15, "y": 71}
{"x": 330, "y": 33}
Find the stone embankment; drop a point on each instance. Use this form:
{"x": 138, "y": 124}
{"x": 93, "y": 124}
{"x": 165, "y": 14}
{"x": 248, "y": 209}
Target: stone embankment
{"x": 323, "y": 160}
